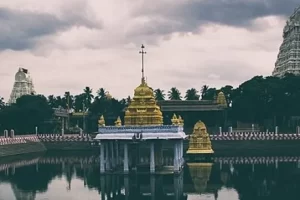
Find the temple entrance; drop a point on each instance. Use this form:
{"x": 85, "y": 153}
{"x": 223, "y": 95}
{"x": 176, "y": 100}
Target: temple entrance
{"x": 134, "y": 149}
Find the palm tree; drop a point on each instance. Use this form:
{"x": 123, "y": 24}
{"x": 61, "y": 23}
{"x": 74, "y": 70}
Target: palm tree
{"x": 174, "y": 94}
{"x": 101, "y": 93}
{"x": 79, "y": 101}
{"x": 2, "y": 104}
{"x": 88, "y": 93}
{"x": 159, "y": 95}
{"x": 204, "y": 91}
{"x": 68, "y": 100}
{"x": 192, "y": 94}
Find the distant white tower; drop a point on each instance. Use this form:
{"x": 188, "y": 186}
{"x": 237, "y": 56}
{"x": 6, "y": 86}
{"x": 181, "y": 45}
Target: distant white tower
{"x": 288, "y": 59}
{"x": 23, "y": 85}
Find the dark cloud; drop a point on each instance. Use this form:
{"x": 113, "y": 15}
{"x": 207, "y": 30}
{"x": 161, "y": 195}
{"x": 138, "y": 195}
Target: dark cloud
{"x": 189, "y": 16}
{"x": 22, "y": 30}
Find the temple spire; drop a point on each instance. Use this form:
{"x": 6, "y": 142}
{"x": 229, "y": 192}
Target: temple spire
{"x": 143, "y": 52}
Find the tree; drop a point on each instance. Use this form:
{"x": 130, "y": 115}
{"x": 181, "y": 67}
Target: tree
{"x": 101, "y": 93}
{"x": 159, "y": 94}
{"x": 210, "y": 94}
{"x": 2, "y": 103}
{"x": 28, "y": 112}
{"x": 174, "y": 94}
{"x": 79, "y": 102}
{"x": 192, "y": 94}
{"x": 88, "y": 95}
{"x": 68, "y": 100}
{"x": 204, "y": 91}
{"x": 52, "y": 101}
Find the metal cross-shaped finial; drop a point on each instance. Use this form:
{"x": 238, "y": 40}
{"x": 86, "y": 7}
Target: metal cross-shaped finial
{"x": 143, "y": 52}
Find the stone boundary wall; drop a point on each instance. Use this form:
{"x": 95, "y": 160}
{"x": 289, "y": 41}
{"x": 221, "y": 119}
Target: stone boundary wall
{"x": 263, "y": 136}
{"x": 11, "y": 144}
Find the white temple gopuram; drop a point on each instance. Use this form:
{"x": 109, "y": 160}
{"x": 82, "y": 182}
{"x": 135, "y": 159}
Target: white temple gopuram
{"x": 137, "y": 143}
{"x": 288, "y": 59}
{"x": 22, "y": 86}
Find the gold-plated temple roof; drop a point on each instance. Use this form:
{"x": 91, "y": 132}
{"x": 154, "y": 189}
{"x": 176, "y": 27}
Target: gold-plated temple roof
{"x": 143, "y": 109}
{"x": 221, "y": 99}
{"x": 199, "y": 140}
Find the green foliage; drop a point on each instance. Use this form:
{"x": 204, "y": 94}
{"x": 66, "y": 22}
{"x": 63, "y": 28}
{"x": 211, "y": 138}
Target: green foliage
{"x": 159, "y": 95}
{"x": 28, "y": 112}
{"x": 2, "y": 103}
{"x": 192, "y": 94}
{"x": 174, "y": 94}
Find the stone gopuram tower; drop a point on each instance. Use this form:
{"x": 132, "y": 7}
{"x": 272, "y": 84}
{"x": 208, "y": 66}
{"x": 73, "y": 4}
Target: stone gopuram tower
{"x": 23, "y": 85}
{"x": 288, "y": 59}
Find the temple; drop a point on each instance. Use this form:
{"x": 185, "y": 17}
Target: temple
{"x": 288, "y": 59}
{"x": 213, "y": 112}
{"x": 199, "y": 143}
{"x": 22, "y": 86}
{"x": 136, "y": 144}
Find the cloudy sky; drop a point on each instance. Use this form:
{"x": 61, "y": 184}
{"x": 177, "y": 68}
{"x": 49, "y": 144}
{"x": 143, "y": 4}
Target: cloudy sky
{"x": 70, "y": 44}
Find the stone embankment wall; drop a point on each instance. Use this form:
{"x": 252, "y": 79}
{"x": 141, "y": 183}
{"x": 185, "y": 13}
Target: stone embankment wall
{"x": 11, "y": 145}
{"x": 17, "y": 145}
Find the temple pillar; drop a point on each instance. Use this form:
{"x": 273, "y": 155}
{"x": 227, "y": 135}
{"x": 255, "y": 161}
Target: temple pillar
{"x": 113, "y": 162}
{"x": 117, "y": 153}
{"x": 176, "y": 152}
{"x": 181, "y": 153}
{"x": 107, "y": 159}
{"x": 152, "y": 158}
{"x": 102, "y": 160}
{"x": 126, "y": 165}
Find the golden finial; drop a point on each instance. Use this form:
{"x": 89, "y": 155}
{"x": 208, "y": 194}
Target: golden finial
{"x": 221, "y": 99}
{"x": 118, "y": 122}
{"x": 180, "y": 120}
{"x": 101, "y": 121}
{"x": 174, "y": 119}
{"x": 143, "y": 52}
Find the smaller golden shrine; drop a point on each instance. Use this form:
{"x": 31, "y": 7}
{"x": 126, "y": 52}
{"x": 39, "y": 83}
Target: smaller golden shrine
{"x": 177, "y": 121}
{"x": 118, "y": 122}
{"x": 199, "y": 140}
{"x": 101, "y": 121}
{"x": 221, "y": 99}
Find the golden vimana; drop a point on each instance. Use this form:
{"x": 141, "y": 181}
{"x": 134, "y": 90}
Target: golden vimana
{"x": 143, "y": 109}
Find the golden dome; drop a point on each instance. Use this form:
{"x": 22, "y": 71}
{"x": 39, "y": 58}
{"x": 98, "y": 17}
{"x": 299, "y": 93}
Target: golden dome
{"x": 143, "y": 90}
{"x": 143, "y": 109}
{"x": 199, "y": 126}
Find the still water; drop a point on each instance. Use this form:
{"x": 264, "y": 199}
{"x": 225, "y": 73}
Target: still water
{"x": 77, "y": 177}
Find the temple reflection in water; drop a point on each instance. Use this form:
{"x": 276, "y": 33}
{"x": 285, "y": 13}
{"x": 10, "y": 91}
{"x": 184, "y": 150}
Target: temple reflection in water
{"x": 246, "y": 178}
